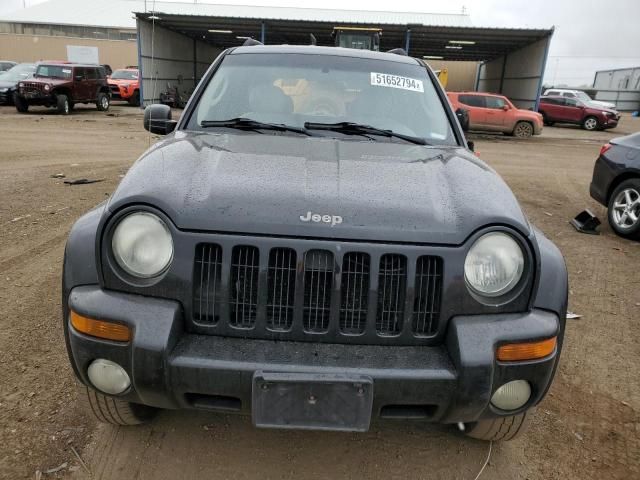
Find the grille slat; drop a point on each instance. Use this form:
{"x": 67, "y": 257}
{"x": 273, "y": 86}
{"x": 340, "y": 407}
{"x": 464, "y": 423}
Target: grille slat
{"x": 391, "y": 294}
{"x": 281, "y": 286}
{"x": 318, "y": 281}
{"x": 243, "y": 297}
{"x": 296, "y": 293}
{"x": 426, "y": 309}
{"x": 208, "y": 266}
{"x": 354, "y": 293}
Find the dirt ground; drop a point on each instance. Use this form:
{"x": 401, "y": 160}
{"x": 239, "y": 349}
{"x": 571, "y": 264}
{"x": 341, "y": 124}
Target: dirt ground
{"x": 588, "y": 427}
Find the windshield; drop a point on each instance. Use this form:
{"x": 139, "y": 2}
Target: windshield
{"x": 124, "y": 75}
{"x": 19, "y": 72}
{"x": 55, "y": 71}
{"x": 583, "y": 96}
{"x": 292, "y": 89}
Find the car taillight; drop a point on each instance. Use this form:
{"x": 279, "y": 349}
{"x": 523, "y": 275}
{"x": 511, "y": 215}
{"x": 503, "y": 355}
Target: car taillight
{"x": 605, "y": 148}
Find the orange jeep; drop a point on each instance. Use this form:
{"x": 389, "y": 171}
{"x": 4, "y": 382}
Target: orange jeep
{"x": 125, "y": 85}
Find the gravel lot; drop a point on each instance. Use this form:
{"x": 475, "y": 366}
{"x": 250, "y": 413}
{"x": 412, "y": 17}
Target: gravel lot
{"x": 587, "y": 427}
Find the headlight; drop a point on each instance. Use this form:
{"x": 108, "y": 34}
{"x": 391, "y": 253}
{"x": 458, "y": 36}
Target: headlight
{"x": 142, "y": 245}
{"x": 47, "y": 87}
{"x": 493, "y": 265}
{"x": 21, "y": 84}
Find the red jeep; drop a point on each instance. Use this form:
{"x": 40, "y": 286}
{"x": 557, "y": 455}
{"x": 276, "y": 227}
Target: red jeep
{"x": 63, "y": 85}
{"x": 571, "y": 110}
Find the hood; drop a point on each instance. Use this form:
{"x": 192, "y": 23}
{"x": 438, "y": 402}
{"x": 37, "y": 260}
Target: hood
{"x": 270, "y": 184}
{"x": 529, "y": 114}
{"x": 7, "y": 83}
{"x": 49, "y": 80}
{"x": 602, "y": 105}
{"x": 119, "y": 81}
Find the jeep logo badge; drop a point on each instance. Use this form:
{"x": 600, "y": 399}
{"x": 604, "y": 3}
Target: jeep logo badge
{"x": 317, "y": 218}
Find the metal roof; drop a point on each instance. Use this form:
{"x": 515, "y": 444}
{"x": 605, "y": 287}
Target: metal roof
{"x": 119, "y": 13}
{"x": 472, "y": 43}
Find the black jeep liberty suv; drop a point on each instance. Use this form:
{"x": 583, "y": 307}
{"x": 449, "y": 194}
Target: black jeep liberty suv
{"x": 62, "y": 86}
{"x": 314, "y": 244}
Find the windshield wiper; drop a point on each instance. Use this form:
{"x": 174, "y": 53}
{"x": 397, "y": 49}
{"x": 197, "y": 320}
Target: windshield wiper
{"x": 249, "y": 124}
{"x": 358, "y": 129}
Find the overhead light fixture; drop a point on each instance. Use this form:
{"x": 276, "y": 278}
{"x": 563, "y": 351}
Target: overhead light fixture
{"x": 153, "y": 17}
{"x": 453, "y": 47}
{"x": 433, "y": 57}
{"x": 213, "y": 30}
{"x": 462, "y": 42}
{"x": 242, "y": 38}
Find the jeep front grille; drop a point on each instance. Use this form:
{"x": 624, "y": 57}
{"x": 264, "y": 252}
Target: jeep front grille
{"x": 287, "y": 293}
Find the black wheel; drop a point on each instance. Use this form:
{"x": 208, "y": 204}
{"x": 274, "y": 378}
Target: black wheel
{"x": 590, "y": 123}
{"x": 523, "y": 130}
{"x": 546, "y": 121}
{"x": 624, "y": 209}
{"x": 103, "y": 102}
{"x": 63, "y": 104}
{"x": 134, "y": 100}
{"x": 499, "y": 429}
{"x": 21, "y": 104}
{"x": 112, "y": 410}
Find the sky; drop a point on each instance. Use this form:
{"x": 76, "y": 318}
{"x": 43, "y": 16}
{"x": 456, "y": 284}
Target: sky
{"x": 589, "y": 35}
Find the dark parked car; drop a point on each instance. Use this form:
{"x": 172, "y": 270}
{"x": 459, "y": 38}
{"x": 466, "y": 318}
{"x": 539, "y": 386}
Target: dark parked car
{"x": 314, "y": 244}
{"x": 62, "y": 86}
{"x": 6, "y": 65}
{"x": 616, "y": 184}
{"x": 9, "y": 81}
{"x": 571, "y": 110}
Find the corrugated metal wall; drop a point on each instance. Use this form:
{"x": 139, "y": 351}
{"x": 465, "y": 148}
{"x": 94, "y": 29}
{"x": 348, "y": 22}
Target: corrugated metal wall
{"x": 517, "y": 75}
{"x": 169, "y": 58}
{"x": 462, "y": 75}
{"x": 621, "y": 87}
{"x": 31, "y": 48}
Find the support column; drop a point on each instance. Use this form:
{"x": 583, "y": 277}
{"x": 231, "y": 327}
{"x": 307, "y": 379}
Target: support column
{"x": 407, "y": 40}
{"x": 263, "y": 33}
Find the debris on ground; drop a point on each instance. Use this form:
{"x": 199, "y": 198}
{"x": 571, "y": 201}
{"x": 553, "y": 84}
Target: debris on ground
{"x": 57, "y": 175}
{"x": 17, "y": 219}
{"x": 84, "y": 181}
{"x": 56, "y": 469}
{"x": 572, "y": 316}
{"x": 586, "y": 222}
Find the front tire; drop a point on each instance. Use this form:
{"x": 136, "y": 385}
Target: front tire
{"x": 523, "y": 130}
{"x": 113, "y": 410}
{"x": 135, "y": 99}
{"x": 499, "y": 429}
{"x": 63, "y": 104}
{"x": 21, "y": 104}
{"x": 623, "y": 210}
{"x": 103, "y": 102}
{"x": 590, "y": 124}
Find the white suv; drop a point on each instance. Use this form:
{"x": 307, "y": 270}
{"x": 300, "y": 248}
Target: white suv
{"x": 580, "y": 95}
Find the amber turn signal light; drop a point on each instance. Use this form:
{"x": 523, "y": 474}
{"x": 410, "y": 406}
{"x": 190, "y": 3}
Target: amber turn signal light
{"x": 514, "y": 352}
{"x": 100, "y": 328}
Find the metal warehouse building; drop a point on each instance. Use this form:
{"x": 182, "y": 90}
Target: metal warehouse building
{"x": 178, "y": 41}
{"x": 620, "y": 86}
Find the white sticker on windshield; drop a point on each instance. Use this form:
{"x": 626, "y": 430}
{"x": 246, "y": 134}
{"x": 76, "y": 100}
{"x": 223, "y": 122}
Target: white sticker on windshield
{"x": 66, "y": 70}
{"x": 396, "y": 81}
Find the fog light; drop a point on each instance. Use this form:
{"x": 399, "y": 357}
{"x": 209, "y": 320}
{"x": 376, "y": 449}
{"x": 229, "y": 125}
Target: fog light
{"x": 512, "y": 395}
{"x": 108, "y": 376}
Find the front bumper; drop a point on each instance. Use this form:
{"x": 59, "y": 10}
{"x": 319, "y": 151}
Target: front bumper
{"x": 171, "y": 368}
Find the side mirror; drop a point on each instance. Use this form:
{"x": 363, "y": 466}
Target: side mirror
{"x": 463, "y": 118}
{"x": 471, "y": 145}
{"x": 79, "y": 78}
{"x": 505, "y": 107}
{"x": 157, "y": 119}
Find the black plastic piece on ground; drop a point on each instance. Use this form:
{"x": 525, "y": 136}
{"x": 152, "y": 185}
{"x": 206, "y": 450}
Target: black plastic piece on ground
{"x": 586, "y": 222}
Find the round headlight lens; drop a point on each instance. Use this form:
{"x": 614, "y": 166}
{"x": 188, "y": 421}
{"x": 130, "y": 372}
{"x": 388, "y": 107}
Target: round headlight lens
{"x": 47, "y": 87}
{"x": 142, "y": 245}
{"x": 494, "y": 265}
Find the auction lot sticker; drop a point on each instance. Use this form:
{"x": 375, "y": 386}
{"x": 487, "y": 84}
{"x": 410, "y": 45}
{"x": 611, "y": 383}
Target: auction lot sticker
{"x": 396, "y": 81}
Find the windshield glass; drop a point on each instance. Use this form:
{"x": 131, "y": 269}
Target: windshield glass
{"x": 124, "y": 75}
{"x": 583, "y": 96}
{"x": 19, "y": 72}
{"x": 292, "y": 89}
{"x": 54, "y": 71}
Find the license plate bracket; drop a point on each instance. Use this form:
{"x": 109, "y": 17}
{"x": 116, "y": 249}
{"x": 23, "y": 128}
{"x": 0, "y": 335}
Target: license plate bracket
{"x": 310, "y": 401}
